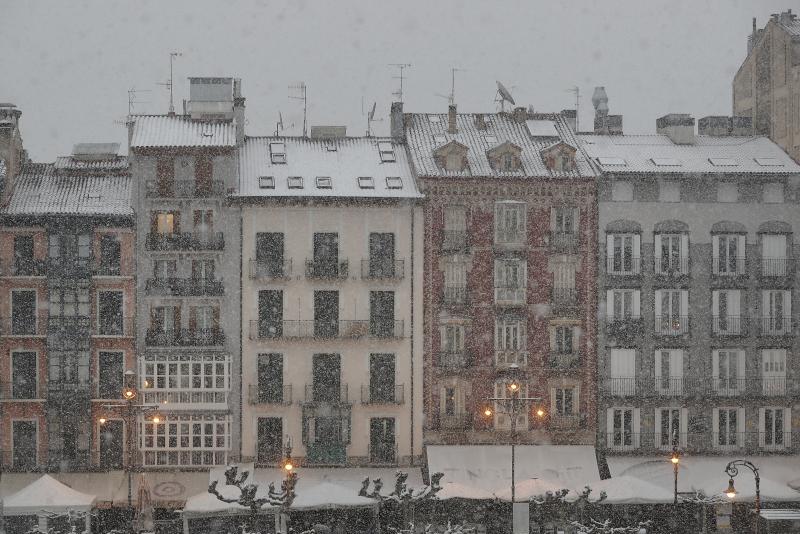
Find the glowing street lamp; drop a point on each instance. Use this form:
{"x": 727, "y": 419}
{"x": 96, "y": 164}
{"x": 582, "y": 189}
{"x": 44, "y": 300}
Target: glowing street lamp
{"x": 732, "y": 469}
{"x": 731, "y": 491}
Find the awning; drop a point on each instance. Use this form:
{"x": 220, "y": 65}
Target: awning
{"x": 484, "y": 471}
{"x": 631, "y": 490}
{"x": 707, "y": 474}
{"x": 46, "y": 494}
{"x": 772, "y": 514}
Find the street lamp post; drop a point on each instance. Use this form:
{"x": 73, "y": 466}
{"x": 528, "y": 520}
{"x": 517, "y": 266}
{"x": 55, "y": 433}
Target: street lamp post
{"x": 732, "y": 470}
{"x": 675, "y": 459}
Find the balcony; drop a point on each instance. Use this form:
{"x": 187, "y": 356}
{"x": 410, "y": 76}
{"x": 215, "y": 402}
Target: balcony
{"x": 184, "y": 337}
{"x": 377, "y": 269}
{"x": 270, "y": 395}
{"x": 620, "y": 387}
{"x": 621, "y": 440}
{"x": 382, "y": 453}
{"x": 564, "y": 299}
{"x": 775, "y": 326}
{"x": 728, "y": 267}
{"x": 630, "y": 266}
{"x": 566, "y": 421}
{"x": 459, "y": 421}
{"x": 455, "y": 241}
{"x": 671, "y": 266}
{"x": 69, "y": 267}
{"x": 452, "y": 359}
{"x": 185, "y": 241}
{"x": 564, "y": 242}
{"x": 777, "y": 267}
{"x": 506, "y": 358}
{"x": 327, "y": 269}
{"x": 563, "y": 361}
{"x": 625, "y": 326}
{"x": 184, "y": 188}
{"x": 270, "y": 270}
{"x": 59, "y": 324}
{"x": 510, "y": 296}
{"x": 669, "y": 386}
{"x": 184, "y": 287}
{"x": 730, "y": 325}
{"x": 24, "y": 326}
{"x": 675, "y": 325}
{"x": 386, "y": 328}
{"x": 23, "y": 267}
{"x": 318, "y": 329}
{"x": 326, "y": 453}
{"x": 189, "y": 398}
{"x": 106, "y": 269}
{"x": 377, "y": 395}
{"x": 509, "y": 238}
{"x": 326, "y": 395}
{"x": 114, "y": 327}
{"x": 454, "y": 296}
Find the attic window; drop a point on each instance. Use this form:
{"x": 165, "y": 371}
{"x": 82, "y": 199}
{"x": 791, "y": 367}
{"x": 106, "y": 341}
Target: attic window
{"x": 324, "y": 182}
{"x": 386, "y": 151}
{"x": 366, "y": 182}
{"x": 439, "y": 139}
{"x": 507, "y": 162}
{"x": 295, "y": 182}
{"x": 330, "y": 147}
{"x": 666, "y": 162}
{"x": 491, "y": 139}
{"x": 277, "y": 152}
{"x": 723, "y": 162}
{"x": 94, "y": 196}
{"x": 768, "y": 162}
{"x": 266, "y": 182}
{"x": 612, "y": 162}
{"x": 394, "y": 182}
{"x": 434, "y": 118}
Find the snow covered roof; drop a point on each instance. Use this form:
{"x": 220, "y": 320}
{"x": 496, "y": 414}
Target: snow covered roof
{"x": 792, "y": 26}
{"x": 353, "y": 167}
{"x": 41, "y": 190}
{"x": 180, "y": 131}
{"x": 70, "y": 163}
{"x": 473, "y": 471}
{"x": 630, "y": 490}
{"x": 657, "y": 154}
{"x": 2, "y": 169}
{"x": 48, "y": 494}
{"x": 480, "y": 133}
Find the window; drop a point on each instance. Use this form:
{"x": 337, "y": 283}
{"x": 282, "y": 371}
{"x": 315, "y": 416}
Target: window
{"x": 728, "y": 254}
{"x": 455, "y": 282}
{"x": 727, "y": 192}
{"x": 386, "y": 151}
{"x": 669, "y": 191}
{"x": 165, "y": 223}
{"x": 454, "y": 161}
{"x": 110, "y": 255}
{"x": 366, "y": 182}
{"x": 774, "y": 427}
{"x": 381, "y": 255}
{"x": 622, "y": 304}
{"x": 326, "y": 378}
{"x": 110, "y": 375}
{"x": 165, "y": 321}
{"x": 381, "y": 314}
{"x": 563, "y": 336}
{"x": 110, "y": 321}
{"x": 671, "y": 308}
{"x": 666, "y": 162}
{"x": 672, "y": 253}
{"x": 178, "y": 440}
{"x": 164, "y": 269}
{"x": 507, "y": 162}
{"x": 438, "y": 138}
{"x": 269, "y": 440}
{"x": 564, "y": 220}
{"x": 294, "y": 182}
{"x": 326, "y": 314}
{"x": 773, "y": 255}
{"x": 768, "y": 162}
{"x": 622, "y": 254}
{"x": 622, "y": 428}
{"x": 509, "y": 223}
{"x": 449, "y": 401}
{"x": 502, "y": 420}
{"x": 270, "y": 254}
{"x": 394, "y": 182}
{"x": 510, "y": 280}
{"x": 326, "y": 255}
{"x": 723, "y": 162}
{"x": 621, "y": 372}
{"x": 24, "y": 264}
{"x": 728, "y": 427}
{"x": 277, "y": 152}
{"x": 773, "y": 372}
{"x": 621, "y": 191}
{"x": 452, "y": 338}
{"x": 194, "y": 378}
{"x": 611, "y": 162}
{"x": 23, "y": 312}
{"x": 23, "y": 375}
{"x": 728, "y": 372}
{"x": 726, "y": 314}
{"x": 24, "y": 443}
{"x": 669, "y": 371}
{"x": 266, "y": 182}
{"x": 204, "y": 323}
{"x": 564, "y": 401}
{"x": 490, "y": 139}
{"x": 776, "y": 312}
{"x": 111, "y": 435}
{"x": 203, "y": 271}
{"x": 382, "y": 440}
{"x": 382, "y": 378}
{"x": 324, "y": 182}
{"x": 455, "y": 228}
{"x": 270, "y": 313}
{"x": 773, "y": 193}
{"x": 671, "y": 426}
{"x": 510, "y": 342}
{"x": 270, "y": 379}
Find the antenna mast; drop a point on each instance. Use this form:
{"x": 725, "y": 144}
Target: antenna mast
{"x": 132, "y": 98}
{"x": 301, "y": 89}
{"x": 172, "y": 56}
{"x": 401, "y": 67}
{"x": 452, "y": 97}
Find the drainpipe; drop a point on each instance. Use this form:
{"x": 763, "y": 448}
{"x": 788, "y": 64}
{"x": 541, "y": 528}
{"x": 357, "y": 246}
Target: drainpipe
{"x": 411, "y": 275}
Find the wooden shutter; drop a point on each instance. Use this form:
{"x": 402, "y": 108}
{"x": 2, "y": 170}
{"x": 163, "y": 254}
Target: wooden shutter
{"x": 657, "y": 252}
{"x": 762, "y": 434}
{"x": 176, "y": 222}
{"x": 637, "y": 427}
{"x": 192, "y": 318}
{"x": 553, "y": 216}
{"x": 740, "y": 427}
{"x": 176, "y": 314}
{"x": 576, "y": 220}
{"x": 684, "y": 303}
{"x": 153, "y": 222}
{"x": 741, "y": 249}
{"x": 636, "y": 303}
{"x": 609, "y": 304}
{"x": 609, "y": 252}
{"x": 787, "y": 303}
{"x": 715, "y": 427}
{"x": 684, "y": 253}
{"x": 198, "y": 216}
{"x": 715, "y": 303}
{"x": 215, "y": 318}
{"x": 610, "y": 427}
{"x": 657, "y": 427}
{"x": 637, "y": 252}
{"x": 657, "y": 305}
{"x": 715, "y": 253}
{"x": 209, "y": 219}
{"x": 684, "y": 430}
{"x": 787, "y": 427}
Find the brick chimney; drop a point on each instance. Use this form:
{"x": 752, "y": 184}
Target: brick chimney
{"x": 11, "y": 149}
{"x": 679, "y": 127}
{"x": 451, "y": 119}
{"x": 519, "y": 114}
{"x": 396, "y": 126}
{"x": 238, "y": 111}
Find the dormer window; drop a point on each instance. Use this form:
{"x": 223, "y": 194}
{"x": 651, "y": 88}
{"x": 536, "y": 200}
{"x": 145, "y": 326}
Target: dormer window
{"x": 507, "y": 162}
{"x": 505, "y": 157}
{"x": 324, "y": 182}
{"x": 454, "y": 162}
{"x": 559, "y": 157}
{"x": 394, "y": 182}
{"x": 451, "y": 156}
{"x": 266, "y": 182}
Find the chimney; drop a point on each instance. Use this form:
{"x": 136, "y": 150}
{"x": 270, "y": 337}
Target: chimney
{"x": 11, "y": 150}
{"x": 396, "y": 126}
{"x": 520, "y": 114}
{"x": 480, "y": 124}
{"x": 451, "y": 119}
{"x": 714, "y": 125}
{"x": 571, "y": 116}
{"x": 600, "y": 103}
{"x": 238, "y": 111}
{"x": 679, "y": 127}
{"x": 741, "y": 126}
{"x": 751, "y": 39}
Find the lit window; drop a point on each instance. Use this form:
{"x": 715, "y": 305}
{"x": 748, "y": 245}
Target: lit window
{"x": 669, "y": 191}
{"x": 266, "y": 182}
{"x": 622, "y": 191}
{"x": 366, "y": 182}
{"x": 295, "y": 182}
{"x": 277, "y": 152}
{"x": 324, "y": 182}
{"x": 394, "y": 182}
{"x": 386, "y": 151}
{"x": 773, "y": 193}
{"x": 727, "y": 192}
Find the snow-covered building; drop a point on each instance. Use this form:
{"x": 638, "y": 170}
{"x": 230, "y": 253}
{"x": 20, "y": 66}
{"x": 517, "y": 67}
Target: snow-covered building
{"x": 331, "y": 301}
{"x": 697, "y": 341}
{"x": 67, "y": 283}
{"x": 509, "y": 273}
{"x": 188, "y": 275}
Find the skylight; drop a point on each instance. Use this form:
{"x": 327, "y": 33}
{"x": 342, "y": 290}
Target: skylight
{"x": 439, "y": 139}
{"x": 723, "y": 162}
{"x": 366, "y": 182}
{"x": 769, "y": 162}
{"x": 541, "y": 128}
{"x": 491, "y": 139}
{"x": 330, "y": 147}
{"x": 394, "y": 182}
{"x": 295, "y": 182}
{"x": 386, "y": 151}
{"x": 266, "y": 182}
{"x": 612, "y": 161}
{"x": 666, "y": 162}
{"x": 277, "y": 152}
{"x": 434, "y": 118}
{"x": 324, "y": 182}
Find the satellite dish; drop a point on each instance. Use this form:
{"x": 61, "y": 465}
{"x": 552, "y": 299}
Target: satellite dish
{"x": 505, "y": 94}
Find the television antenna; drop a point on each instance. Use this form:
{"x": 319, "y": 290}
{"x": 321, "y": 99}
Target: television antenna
{"x": 503, "y": 96}
{"x": 451, "y": 98}
{"x": 132, "y": 98}
{"x": 577, "y": 90}
{"x": 371, "y": 118}
{"x": 301, "y": 94}
{"x": 400, "y": 67}
{"x": 169, "y": 83}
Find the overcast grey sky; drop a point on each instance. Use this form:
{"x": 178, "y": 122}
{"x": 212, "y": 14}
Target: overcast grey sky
{"x": 69, "y": 64}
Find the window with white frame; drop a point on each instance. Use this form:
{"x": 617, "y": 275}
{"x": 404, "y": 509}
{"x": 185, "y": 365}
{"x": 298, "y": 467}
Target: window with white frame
{"x": 621, "y": 380}
{"x": 621, "y": 191}
{"x": 185, "y": 379}
{"x": 669, "y": 371}
{"x": 773, "y": 372}
{"x": 776, "y": 312}
{"x": 728, "y": 427}
{"x": 455, "y": 228}
{"x": 563, "y": 339}
{"x": 671, "y": 426}
{"x": 622, "y": 304}
{"x": 509, "y": 223}
{"x": 728, "y": 372}
{"x": 774, "y": 427}
{"x": 726, "y": 312}
{"x": 773, "y": 255}
{"x": 669, "y": 191}
{"x": 564, "y": 401}
{"x": 622, "y": 428}
{"x": 452, "y": 338}
{"x": 451, "y": 402}
{"x": 510, "y": 342}
{"x": 185, "y": 440}
{"x": 772, "y": 193}
{"x": 564, "y": 220}
{"x": 622, "y": 253}
{"x": 672, "y": 253}
{"x": 727, "y": 192}
{"x": 671, "y": 307}
{"x": 502, "y": 417}
{"x": 510, "y": 281}
{"x": 728, "y": 254}
{"x": 455, "y": 282}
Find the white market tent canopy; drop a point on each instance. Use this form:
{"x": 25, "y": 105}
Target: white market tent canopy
{"x": 484, "y": 471}
{"x": 47, "y": 494}
{"x": 630, "y": 490}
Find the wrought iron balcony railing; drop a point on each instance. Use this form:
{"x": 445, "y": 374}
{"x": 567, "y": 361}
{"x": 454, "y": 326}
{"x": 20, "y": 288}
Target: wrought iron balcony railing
{"x": 380, "y": 269}
{"x": 507, "y": 357}
{"x": 671, "y": 266}
{"x": 728, "y": 267}
{"x": 270, "y": 270}
{"x": 454, "y": 295}
{"x": 23, "y": 267}
{"x": 777, "y": 267}
{"x": 327, "y": 269}
{"x": 729, "y": 325}
{"x": 623, "y": 266}
{"x": 672, "y": 325}
{"x": 454, "y": 241}
{"x": 185, "y": 337}
{"x": 377, "y": 395}
{"x": 268, "y": 394}
{"x": 326, "y": 395}
{"x": 382, "y": 453}
{"x": 185, "y": 241}
{"x": 185, "y": 287}
{"x": 563, "y": 241}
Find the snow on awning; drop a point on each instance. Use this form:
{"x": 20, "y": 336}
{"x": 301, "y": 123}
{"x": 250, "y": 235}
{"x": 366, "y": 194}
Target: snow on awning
{"x": 478, "y": 471}
{"x": 631, "y": 490}
{"x": 47, "y": 494}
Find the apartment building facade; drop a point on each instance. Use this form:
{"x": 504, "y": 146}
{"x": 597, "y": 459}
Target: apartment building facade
{"x": 697, "y": 279}
{"x": 509, "y": 275}
{"x": 331, "y": 301}
{"x": 67, "y": 283}
{"x": 766, "y": 88}
{"x": 187, "y": 251}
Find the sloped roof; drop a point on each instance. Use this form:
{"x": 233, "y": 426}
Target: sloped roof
{"x": 792, "y": 27}
{"x": 733, "y": 155}
{"x": 427, "y": 132}
{"x": 343, "y": 160}
{"x": 41, "y": 190}
{"x": 70, "y": 163}
{"x": 47, "y": 494}
{"x": 2, "y": 169}
{"x": 180, "y": 131}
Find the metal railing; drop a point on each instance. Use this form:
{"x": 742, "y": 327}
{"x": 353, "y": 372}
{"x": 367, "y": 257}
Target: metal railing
{"x": 510, "y": 295}
{"x": 185, "y": 287}
{"x": 507, "y": 357}
{"x": 115, "y": 327}
{"x": 509, "y": 237}
{"x": 674, "y": 325}
{"x": 57, "y": 324}
{"x": 776, "y": 326}
{"x": 671, "y": 266}
{"x": 453, "y": 359}
{"x": 776, "y": 267}
{"x": 184, "y": 188}
{"x": 627, "y": 325}
{"x": 106, "y": 269}
{"x": 702, "y": 441}
{"x": 69, "y": 267}
{"x": 655, "y": 386}
{"x": 455, "y": 241}
{"x": 185, "y": 241}
{"x": 265, "y": 395}
{"x": 382, "y": 453}
{"x": 566, "y": 421}
{"x": 459, "y": 421}
{"x": 376, "y": 395}
{"x": 564, "y": 297}
{"x": 319, "y": 329}
{"x": 327, "y": 269}
{"x": 173, "y": 397}
{"x": 729, "y": 325}
{"x": 454, "y": 295}
{"x": 386, "y": 328}
{"x": 620, "y": 386}
{"x": 563, "y": 241}
{"x": 24, "y": 326}
{"x": 23, "y": 267}
{"x": 380, "y": 269}
{"x": 728, "y": 267}
{"x": 270, "y": 270}
{"x": 19, "y": 391}
{"x": 623, "y": 266}
{"x": 326, "y": 394}
{"x": 564, "y": 360}
{"x": 184, "y": 337}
